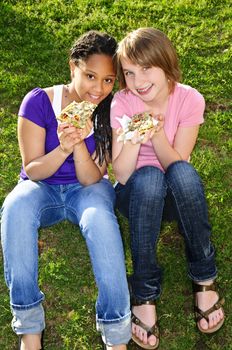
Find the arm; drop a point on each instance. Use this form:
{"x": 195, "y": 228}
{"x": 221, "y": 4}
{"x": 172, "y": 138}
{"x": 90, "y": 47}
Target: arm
{"x": 88, "y": 170}
{"x": 124, "y": 158}
{"x": 185, "y": 140}
{"x": 125, "y": 155}
{"x": 189, "y": 118}
{"x": 37, "y": 164}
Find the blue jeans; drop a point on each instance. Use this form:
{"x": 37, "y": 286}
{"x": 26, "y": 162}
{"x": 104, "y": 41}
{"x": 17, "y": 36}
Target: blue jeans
{"x": 144, "y": 200}
{"x": 32, "y": 205}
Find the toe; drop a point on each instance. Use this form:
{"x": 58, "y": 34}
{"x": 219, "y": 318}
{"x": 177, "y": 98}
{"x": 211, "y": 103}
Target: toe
{"x": 203, "y": 324}
{"x": 133, "y": 328}
{"x": 152, "y": 340}
{"x": 221, "y": 313}
{"x": 137, "y": 332}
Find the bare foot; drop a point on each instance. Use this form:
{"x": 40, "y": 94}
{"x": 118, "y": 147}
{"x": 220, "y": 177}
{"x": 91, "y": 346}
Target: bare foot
{"x": 147, "y": 314}
{"x": 205, "y": 300}
{"x": 31, "y": 342}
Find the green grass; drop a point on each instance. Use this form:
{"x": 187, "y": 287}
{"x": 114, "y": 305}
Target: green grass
{"x": 34, "y": 40}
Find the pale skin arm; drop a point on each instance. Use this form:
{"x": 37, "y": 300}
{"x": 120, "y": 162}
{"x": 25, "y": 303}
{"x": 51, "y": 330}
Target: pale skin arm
{"x": 125, "y": 156}
{"x": 39, "y": 166}
{"x": 184, "y": 143}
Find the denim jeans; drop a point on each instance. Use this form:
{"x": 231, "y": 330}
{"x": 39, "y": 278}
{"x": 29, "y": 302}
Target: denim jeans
{"x": 144, "y": 200}
{"x": 32, "y": 205}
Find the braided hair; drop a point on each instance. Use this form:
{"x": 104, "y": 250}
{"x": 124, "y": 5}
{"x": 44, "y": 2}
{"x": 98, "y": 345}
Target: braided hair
{"x": 90, "y": 43}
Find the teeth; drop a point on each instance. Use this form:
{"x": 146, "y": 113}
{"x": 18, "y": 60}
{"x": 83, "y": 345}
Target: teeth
{"x": 144, "y": 89}
{"x": 94, "y": 97}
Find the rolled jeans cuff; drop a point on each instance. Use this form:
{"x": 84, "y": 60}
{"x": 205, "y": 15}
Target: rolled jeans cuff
{"x": 31, "y": 321}
{"x": 115, "y": 332}
{"x": 203, "y": 270}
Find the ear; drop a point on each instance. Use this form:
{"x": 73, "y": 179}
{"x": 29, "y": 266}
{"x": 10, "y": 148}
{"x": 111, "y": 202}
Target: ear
{"x": 72, "y": 68}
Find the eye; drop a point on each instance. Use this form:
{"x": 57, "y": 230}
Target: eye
{"x": 128, "y": 73}
{"x": 146, "y": 68}
{"x": 109, "y": 81}
{"x": 90, "y": 76}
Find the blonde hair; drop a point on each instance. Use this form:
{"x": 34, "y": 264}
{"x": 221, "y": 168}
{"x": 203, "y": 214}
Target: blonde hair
{"x": 149, "y": 47}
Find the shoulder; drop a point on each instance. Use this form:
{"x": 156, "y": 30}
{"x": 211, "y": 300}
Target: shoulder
{"x": 50, "y": 92}
{"x": 33, "y": 97}
{"x": 188, "y": 95}
{"x": 35, "y": 106}
{"x": 189, "y": 105}
{"x": 124, "y": 103}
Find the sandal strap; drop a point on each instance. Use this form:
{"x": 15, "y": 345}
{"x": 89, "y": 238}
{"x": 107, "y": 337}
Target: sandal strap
{"x": 205, "y": 314}
{"x": 138, "y": 302}
{"x": 154, "y": 330}
{"x": 204, "y": 288}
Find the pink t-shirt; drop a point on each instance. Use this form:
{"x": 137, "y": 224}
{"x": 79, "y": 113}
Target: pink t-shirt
{"x": 185, "y": 108}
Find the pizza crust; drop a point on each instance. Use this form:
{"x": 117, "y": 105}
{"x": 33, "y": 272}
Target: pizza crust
{"x": 77, "y": 114}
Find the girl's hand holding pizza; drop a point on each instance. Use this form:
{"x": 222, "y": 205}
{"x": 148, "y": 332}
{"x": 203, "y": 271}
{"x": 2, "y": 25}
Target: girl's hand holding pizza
{"x": 68, "y": 136}
{"x": 160, "y": 124}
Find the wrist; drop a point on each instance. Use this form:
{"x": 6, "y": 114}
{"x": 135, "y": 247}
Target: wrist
{"x": 158, "y": 133}
{"x": 63, "y": 152}
{"x": 81, "y": 161}
{"x": 132, "y": 144}
{"x": 79, "y": 145}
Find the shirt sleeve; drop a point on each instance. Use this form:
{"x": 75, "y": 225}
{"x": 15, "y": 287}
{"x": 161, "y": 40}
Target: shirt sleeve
{"x": 193, "y": 109}
{"x": 34, "y": 107}
{"x": 118, "y": 108}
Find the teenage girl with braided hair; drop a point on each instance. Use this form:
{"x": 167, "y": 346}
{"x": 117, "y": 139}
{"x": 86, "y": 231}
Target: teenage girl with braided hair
{"x": 63, "y": 178}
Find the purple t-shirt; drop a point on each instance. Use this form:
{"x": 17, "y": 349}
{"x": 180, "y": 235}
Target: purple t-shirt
{"x": 37, "y": 108}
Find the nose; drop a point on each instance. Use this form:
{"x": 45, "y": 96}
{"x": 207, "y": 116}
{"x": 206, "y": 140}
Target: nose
{"x": 98, "y": 87}
{"x": 138, "y": 80}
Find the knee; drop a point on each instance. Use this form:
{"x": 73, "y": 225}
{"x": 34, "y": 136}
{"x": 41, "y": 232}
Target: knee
{"x": 101, "y": 194}
{"x": 149, "y": 182}
{"x": 183, "y": 178}
{"x": 183, "y": 173}
{"x": 14, "y": 207}
{"x": 17, "y": 216}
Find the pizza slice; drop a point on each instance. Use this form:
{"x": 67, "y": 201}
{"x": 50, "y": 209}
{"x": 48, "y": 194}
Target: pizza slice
{"x": 77, "y": 114}
{"x": 141, "y": 122}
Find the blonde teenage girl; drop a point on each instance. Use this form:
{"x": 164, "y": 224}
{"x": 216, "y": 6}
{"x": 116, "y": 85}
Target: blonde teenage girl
{"x": 154, "y": 173}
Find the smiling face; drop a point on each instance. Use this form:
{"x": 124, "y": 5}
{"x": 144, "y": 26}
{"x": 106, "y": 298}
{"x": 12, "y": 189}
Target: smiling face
{"x": 149, "y": 83}
{"x": 93, "y": 79}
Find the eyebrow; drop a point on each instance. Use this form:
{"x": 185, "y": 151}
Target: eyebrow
{"x": 93, "y": 72}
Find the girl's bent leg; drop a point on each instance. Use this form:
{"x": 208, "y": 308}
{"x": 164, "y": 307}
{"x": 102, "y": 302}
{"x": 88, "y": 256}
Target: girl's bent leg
{"x": 147, "y": 193}
{"x": 22, "y": 213}
{"x": 188, "y": 192}
{"x": 94, "y": 211}
{"x": 142, "y": 201}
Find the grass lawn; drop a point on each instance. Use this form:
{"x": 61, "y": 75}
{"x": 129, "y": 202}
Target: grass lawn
{"x": 34, "y": 40}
